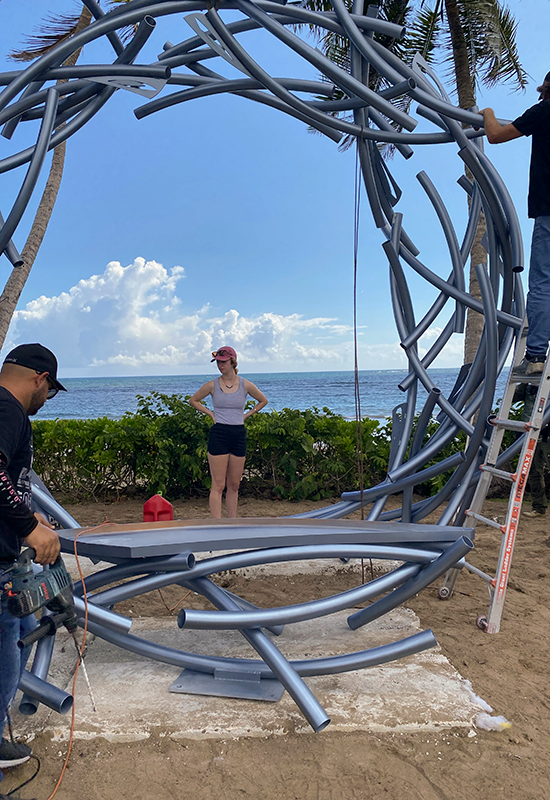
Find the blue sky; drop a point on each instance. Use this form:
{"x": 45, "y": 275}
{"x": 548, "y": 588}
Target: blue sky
{"x": 224, "y": 222}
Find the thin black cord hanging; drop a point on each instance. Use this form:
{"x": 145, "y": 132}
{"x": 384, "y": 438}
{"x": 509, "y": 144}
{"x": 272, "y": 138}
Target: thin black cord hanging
{"x": 358, "y": 418}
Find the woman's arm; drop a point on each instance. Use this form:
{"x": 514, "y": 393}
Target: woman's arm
{"x": 204, "y": 391}
{"x": 259, "y": 397}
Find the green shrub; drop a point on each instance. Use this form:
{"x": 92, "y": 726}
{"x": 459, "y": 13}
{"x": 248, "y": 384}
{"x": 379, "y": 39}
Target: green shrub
{"x": 292, "y": 454}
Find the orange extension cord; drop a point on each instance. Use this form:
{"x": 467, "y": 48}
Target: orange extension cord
{"x": 83, "y": 645}
{"x": 81, "y": 653}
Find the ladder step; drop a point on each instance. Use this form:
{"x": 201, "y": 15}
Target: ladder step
{"x": 512, "y": 424}
{"x": 486, "y": 521}
{"x": 534, "y": 379}
{"x": 508, "y": 476}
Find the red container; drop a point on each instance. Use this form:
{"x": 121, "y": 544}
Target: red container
{"x": 157, "y": 509}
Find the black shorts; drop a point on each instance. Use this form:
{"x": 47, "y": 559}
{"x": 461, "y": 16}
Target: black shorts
{"x": 227, "y": 439}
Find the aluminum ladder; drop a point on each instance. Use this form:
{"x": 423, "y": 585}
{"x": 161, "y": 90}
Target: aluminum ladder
{"x": 497, "y": 584}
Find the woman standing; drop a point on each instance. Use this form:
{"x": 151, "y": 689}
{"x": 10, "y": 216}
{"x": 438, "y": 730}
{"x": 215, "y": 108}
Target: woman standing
{"x": 227, "y": 439}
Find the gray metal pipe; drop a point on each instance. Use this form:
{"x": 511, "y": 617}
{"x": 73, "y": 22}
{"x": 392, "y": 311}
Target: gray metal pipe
{"x": 103, "y": 616}
{"x": 33, "y": 173}
{"x": 331, "y": 665}
{"x": 53, "y": 508}
{"x": 280, "y": 667}
{"x": 45, "y": 693}
{"x": 11, "y": 252}
{"x": 285, "y": 615}
{"x": 40, "y": 667}
{"x": 210, "y": 566}
{"x": 400, "y": 595}
{"x": 407, "y": 480}
{"x": 98, "y": 13}
{"x": 452, "y": 244}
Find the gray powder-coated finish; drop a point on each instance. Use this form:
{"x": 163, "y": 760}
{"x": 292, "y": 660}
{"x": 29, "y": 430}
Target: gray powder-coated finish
{"x": 145, "y": 540}
{"x": 34, "y": 93}
{"x": 65, "y": 98}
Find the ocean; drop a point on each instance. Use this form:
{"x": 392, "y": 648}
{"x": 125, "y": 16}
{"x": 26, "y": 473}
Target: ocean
{"x": 112, "y": 397}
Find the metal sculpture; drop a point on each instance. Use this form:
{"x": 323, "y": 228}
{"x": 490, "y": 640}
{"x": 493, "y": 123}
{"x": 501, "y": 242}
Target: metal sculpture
{"x": 64, "y": 98}
{"x": 150, "y": 556}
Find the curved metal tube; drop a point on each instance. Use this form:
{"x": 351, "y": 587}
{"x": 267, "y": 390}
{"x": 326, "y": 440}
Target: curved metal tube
{"x": 40, "y": 667}
{"x": 445, "y": 561}
{"x": 330, "y": 665}
{"x": 117, "y": 594}
{"x": 102, "y": 616}
{"x": 280, "y": 667}
{"x": 284, "y": 615}
{"x": 33, "y": 173}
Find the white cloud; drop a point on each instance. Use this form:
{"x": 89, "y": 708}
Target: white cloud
{"x": 128, "y": 320}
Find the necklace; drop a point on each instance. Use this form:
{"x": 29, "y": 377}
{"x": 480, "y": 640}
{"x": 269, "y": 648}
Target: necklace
{"x": 228, "y": 385}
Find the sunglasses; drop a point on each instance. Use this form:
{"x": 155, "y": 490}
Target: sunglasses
{"x": 53, "y": 390}
{"x": 217, "y": 353}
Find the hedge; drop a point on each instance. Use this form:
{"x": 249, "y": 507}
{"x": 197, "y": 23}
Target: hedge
{"x": 292, "y": 454}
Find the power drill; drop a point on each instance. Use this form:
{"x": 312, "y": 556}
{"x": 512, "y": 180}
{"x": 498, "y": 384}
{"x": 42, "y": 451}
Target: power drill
{"x": 28, "y": 591}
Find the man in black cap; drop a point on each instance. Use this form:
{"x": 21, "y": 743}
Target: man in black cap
{"x": 27, "y": 379}
{"x": 534, "y": 122}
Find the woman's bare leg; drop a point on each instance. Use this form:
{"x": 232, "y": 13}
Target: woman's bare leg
{"x": 218, "y": 471}
{"x": 235, "y": 469}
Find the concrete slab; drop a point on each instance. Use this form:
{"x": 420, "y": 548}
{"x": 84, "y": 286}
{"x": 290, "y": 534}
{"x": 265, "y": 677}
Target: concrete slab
{"x": 419, "y": 693}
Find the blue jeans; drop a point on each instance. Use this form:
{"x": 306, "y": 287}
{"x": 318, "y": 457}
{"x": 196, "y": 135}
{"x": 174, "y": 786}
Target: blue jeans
{"x": 12, "y": 659}
{"x": 538, "y": 298}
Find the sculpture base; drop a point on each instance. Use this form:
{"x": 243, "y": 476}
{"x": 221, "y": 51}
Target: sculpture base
{"x": 229, "y": 683}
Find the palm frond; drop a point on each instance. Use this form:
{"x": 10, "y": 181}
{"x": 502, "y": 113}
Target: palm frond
{"x": 50, "y": 33}
{"x": 424, "y": 35}
{"x": 490, "y": 33}
{"x": 504, "y": 64}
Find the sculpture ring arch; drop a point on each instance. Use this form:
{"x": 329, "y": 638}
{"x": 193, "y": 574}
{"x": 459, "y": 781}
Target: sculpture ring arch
{"x": 65, "y": 98}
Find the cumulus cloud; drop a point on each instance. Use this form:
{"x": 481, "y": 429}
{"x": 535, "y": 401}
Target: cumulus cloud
{"x": 129, "y": 320}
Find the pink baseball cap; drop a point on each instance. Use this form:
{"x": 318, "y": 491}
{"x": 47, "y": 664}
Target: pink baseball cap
{"x": 224, "y": 354}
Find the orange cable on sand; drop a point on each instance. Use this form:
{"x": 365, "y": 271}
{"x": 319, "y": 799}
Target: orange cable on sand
{"x": 81, "y": 654}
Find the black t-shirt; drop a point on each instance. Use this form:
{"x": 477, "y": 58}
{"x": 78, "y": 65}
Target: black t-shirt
{"x": 16, "y": 447}
{"x": 535, "y": 122}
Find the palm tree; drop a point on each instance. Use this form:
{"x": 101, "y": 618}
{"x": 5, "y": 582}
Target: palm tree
{"x": 481, "y": 44}
{"x": 56, "y": 31}
{"x": 476, "y": 38}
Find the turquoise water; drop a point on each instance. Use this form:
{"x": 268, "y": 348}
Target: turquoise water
{"x": 379, "y": 393}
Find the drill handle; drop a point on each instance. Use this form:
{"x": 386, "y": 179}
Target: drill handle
{"x": 29, "y": 554}
{"x": 47, "y": 627}
{"x": 24, "y": 560}
{"x": 25, "y": 557}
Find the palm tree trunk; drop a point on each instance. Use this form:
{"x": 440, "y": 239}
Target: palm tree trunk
{"x": 466, "y": 99}
{"x": 18, "y": 276}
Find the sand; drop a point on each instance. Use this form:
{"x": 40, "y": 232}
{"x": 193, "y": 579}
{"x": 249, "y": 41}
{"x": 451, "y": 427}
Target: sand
{"x": 509, "y": 670}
